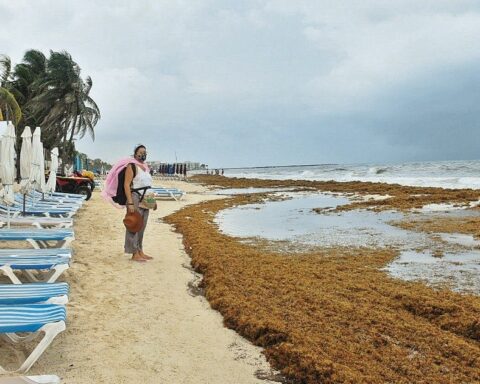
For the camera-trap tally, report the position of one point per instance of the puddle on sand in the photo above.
(294, 221)
(241, 191)
(457, 271)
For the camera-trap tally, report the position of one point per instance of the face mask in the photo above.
(142, 157)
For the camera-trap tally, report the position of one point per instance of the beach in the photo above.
(130, 322)
(213, 308)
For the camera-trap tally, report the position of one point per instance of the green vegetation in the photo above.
(49, 93)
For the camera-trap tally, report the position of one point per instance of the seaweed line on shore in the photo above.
(332, 316)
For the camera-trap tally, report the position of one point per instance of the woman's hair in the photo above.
(137, 147)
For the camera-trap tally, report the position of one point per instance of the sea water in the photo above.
(444, 174)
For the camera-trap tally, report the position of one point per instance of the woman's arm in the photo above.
(126, 186)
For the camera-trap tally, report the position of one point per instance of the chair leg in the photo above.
(56, 272)
(50, 277)
(66, 242)
(8, 271)
(34, 243)
(51, 331)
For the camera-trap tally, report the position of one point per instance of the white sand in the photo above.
(137, 323)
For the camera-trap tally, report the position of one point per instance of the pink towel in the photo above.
(111, 183)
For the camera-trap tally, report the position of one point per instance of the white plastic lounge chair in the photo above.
(44, 379)
(31, 319)
(35, 293)
(29, 261)
(173, 193)
(36, 221)
(39, 238)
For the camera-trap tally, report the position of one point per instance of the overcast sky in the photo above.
(243, 83)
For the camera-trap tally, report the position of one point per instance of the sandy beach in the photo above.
(329, 314)
(133, 322)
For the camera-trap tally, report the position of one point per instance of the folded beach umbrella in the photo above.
(25, 160)
(52, 178)
(37, 174)
(7, 164)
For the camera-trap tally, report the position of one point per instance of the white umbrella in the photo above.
(7, 164)
(26, 160)
(37, 174)
(52, 178)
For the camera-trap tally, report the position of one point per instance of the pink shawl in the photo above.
(111, 182)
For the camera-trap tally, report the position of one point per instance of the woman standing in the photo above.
(136, 186)
(136, 183)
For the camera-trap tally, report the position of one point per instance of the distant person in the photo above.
(223, 171)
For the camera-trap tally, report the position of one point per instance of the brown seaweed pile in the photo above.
(400, 197)
(465, 225)
(331, 316)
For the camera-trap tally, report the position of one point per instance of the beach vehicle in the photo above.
(75, 184)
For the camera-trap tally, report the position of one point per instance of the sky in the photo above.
(253, 83)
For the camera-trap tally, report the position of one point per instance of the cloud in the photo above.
(266, 82)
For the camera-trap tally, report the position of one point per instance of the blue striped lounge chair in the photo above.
(173, 193)
(29, 201)
(59, 195)
(38, 265)
(36, 221)
(43, 379)
(35, 293)
(24, 323)
(16, 210)
(39, 238)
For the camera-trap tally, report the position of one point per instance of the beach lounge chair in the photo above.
(57, 199)
(36, 221)
(39, 238)
(32, 319)
(43, 379)
(35, 293)
(59, 195)
(54, 261)
(17, 209)
(173, 193)
(35, 203)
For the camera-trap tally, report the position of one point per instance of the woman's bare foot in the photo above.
(146, 257)
(138, 257)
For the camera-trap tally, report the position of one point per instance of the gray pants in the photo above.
(134, 241)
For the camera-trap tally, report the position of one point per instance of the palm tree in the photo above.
(26, 79)
(63, 93)
(52, 94)
(9, 108)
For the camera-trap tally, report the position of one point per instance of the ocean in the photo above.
(444, 174)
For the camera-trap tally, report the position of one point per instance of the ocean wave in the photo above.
(452, 175)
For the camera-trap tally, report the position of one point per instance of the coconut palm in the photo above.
(9, 108)
(63, 93)
(27, 76)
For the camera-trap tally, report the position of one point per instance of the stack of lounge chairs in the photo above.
(31, 301)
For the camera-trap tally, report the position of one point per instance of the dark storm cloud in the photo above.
(268, 82)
